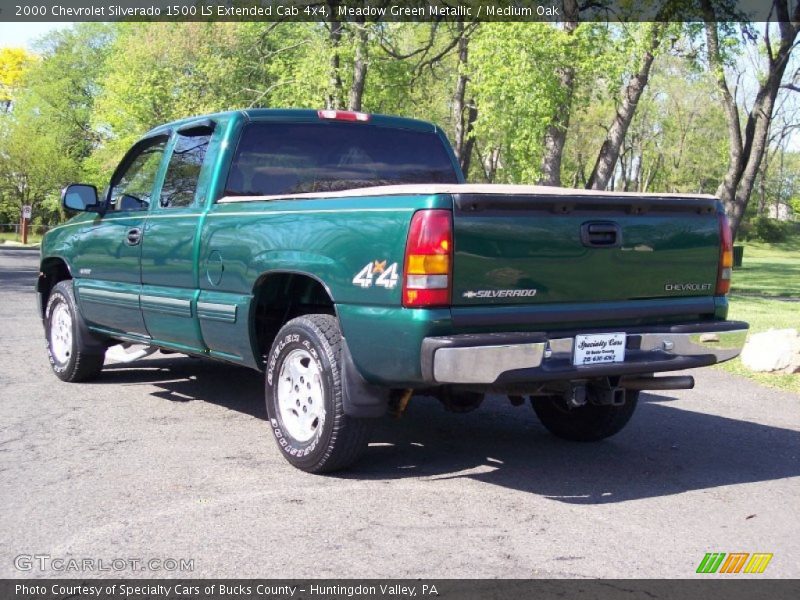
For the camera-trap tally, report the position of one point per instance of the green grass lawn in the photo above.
(769, 269)
(766, 294)
(13, 237)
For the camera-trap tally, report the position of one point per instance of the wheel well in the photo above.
(52, 271)
(280, 297)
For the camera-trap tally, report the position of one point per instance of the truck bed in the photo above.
(537, 245)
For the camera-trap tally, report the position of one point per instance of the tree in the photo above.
(778, 176)
(747, 144)
(609, 152)
(46, 138)
(335, 97)
(513, 73)
(529, 79)
(556, 134)
(465, 111)
(159, 72)
(360, 65)
(521, 102)
(33, 164)
(426, 68)
(63, 86)
(13, 64)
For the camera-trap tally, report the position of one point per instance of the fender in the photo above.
(323, 269)
(40, 281)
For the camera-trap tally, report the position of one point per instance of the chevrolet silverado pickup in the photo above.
(343, 255)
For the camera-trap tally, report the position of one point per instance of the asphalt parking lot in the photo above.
(171, 457)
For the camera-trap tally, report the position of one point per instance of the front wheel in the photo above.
(72, 356)
(304, 397)
(587, 423)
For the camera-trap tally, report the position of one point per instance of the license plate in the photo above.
(599, 348)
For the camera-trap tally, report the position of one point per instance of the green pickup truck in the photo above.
(343, 255)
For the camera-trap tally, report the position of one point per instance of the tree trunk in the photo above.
(489, 163)
(756, 135)
(609, 151)
(464, 114)
(746, 149)
(360, 64)
(781, 179)
(556, 135)
(648, 181)
(334, 99)
(460, 93)
(465, 160)
(762, 186)
(727, 187)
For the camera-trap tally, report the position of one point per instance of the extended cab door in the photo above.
(107, 262)
(169, 247)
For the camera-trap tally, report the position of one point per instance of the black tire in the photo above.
(588, 423)
(81, 356)
(338, 440)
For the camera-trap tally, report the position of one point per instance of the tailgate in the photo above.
(533, 249)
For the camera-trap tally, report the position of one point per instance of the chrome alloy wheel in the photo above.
(61, 333)
(301, 399)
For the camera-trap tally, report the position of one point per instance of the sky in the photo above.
(16, 35)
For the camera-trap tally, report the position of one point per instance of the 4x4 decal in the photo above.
(386, 276)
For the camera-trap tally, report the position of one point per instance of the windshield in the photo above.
(290, 158)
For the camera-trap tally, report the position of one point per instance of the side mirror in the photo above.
(80, 197)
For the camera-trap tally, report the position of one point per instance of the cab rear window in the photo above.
(294, 158)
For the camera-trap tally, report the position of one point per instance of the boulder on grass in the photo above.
(773, 350)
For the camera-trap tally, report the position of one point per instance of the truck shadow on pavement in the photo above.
(665, 450)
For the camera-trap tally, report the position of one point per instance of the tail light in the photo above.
(725, 256)
(428, 261)
(343, 115)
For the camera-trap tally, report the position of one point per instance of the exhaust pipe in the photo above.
(575, 396)
(672, 382)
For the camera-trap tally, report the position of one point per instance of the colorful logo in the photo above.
(735, 562)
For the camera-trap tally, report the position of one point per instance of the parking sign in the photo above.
(26, 211)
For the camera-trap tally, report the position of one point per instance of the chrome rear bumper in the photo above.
(521, 357)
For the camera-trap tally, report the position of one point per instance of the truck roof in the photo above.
(293, 114)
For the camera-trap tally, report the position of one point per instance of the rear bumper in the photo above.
(512, 358)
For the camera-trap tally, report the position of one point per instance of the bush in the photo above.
(764, 229)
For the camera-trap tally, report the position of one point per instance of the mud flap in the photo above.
(359, 398)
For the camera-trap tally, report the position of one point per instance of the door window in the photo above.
(180, 183)
(132, 188)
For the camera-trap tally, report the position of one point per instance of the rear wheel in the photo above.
(587, 423)
(460, 401)
(304, 397)
(72, 356)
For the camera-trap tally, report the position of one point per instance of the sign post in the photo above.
(26, 217)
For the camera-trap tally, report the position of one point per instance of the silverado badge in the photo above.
(529, 293)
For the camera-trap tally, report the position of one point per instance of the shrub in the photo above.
(764, 229)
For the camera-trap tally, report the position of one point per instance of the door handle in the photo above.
(601, 234)
(133, 237)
